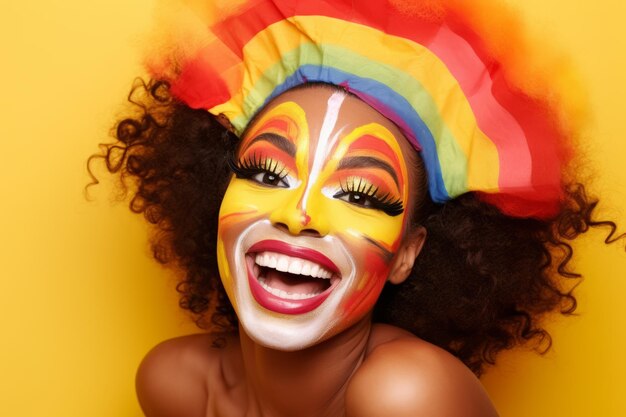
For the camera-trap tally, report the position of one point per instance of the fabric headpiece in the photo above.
(430, 68)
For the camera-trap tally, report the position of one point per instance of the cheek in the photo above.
(244, 203)
(224, 271)
(241, 198)
(361, 223)
(237, 212)
(372, 238)
(372, 270)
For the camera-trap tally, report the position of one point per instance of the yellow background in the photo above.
(80, 299)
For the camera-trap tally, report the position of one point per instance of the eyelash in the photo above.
(250, 167)
(366, 192)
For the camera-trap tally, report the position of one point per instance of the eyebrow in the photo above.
(280, 142)
(367, 162)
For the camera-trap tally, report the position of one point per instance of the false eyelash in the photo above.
(385, 203)
(249, 167)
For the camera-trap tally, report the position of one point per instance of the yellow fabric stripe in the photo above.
(409, 58)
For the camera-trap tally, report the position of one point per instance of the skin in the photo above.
(326, 139)
(331, 361)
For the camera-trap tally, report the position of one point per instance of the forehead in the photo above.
(313, 105)
(353, 113)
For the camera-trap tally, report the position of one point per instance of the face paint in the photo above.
(312, 218)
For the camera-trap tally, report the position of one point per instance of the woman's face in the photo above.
(313, 218)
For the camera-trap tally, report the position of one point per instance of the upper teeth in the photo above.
(286, 263)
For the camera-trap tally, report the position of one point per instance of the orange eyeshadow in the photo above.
(369, 145)
(281, 125)
(263, 150)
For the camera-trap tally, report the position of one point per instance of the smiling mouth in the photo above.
(289, 279)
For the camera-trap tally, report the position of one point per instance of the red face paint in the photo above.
(344, 198)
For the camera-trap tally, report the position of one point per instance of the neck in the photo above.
(308, 382)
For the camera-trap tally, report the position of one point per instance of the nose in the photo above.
(297, 220)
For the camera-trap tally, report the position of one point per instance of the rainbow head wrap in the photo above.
(463, 99)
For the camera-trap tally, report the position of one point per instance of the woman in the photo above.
(332, 221)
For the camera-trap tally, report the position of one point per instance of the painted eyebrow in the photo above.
(367, 162)
(280, 142)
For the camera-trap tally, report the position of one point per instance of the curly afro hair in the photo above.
(481, 284)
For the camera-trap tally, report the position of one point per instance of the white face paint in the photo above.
(324, 143)
(287, 331)
(299, 259)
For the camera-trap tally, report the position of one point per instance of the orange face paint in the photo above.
(370, 146)
(321, 186)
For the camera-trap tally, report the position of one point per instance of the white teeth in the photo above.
(283, 294)
(283, 263)
(296, 266)
(315, 269)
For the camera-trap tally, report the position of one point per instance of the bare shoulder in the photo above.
(406, 376)
(174, 377)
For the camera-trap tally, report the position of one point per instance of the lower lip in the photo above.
(283, 305)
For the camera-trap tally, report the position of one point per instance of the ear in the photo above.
(402, 263)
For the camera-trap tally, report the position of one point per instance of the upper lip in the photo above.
(296, 252)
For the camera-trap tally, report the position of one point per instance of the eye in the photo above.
(270, 178)
(356, 198)
(263, 171)
(362, 194)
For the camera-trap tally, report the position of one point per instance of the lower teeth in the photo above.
(284, 294)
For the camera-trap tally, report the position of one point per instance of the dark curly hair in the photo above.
(481, 284)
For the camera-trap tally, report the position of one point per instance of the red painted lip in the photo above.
(295, 252)
(283, 305)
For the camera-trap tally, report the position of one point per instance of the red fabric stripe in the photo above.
(200, 84)
(531, 115)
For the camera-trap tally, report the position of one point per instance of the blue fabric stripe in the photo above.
(394, 107)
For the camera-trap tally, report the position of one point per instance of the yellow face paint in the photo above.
(312, 217)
